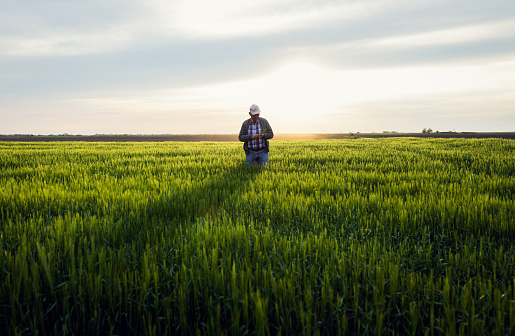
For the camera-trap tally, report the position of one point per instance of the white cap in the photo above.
(254, 109)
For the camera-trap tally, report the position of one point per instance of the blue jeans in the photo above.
(260, 157)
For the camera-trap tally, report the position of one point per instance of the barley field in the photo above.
(397, 236)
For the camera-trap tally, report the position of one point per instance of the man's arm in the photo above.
(243, 136)
(269, 133)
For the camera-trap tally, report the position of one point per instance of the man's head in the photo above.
(254, 112)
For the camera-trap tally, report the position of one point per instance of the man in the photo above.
(254, 134)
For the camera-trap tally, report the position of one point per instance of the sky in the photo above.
(312, 66)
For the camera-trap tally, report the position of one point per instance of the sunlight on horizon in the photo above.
(302, 96)
(301, 92)
(298, 97)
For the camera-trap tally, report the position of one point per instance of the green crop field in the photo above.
(353, 237)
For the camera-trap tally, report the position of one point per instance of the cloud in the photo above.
(62, 44)
(454, 35)
(179, 58)
(59, 27)
(229, 18)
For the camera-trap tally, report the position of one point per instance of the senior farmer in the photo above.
(254, 134)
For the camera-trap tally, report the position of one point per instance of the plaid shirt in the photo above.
(256, 144)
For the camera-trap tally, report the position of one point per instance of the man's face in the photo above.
(254, 117)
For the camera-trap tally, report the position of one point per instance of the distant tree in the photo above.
(424, 131)
(429, 130)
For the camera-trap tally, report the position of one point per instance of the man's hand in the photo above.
(256, 136)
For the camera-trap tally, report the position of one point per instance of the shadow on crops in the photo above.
(205, 199)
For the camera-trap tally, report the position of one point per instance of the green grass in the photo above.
(351, 237)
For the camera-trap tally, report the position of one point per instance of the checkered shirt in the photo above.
(256, 144)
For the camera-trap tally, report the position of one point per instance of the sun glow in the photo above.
(301, 92)
(297, 91)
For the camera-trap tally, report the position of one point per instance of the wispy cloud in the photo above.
(62, 44)
(454, 35)
(229, 18)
